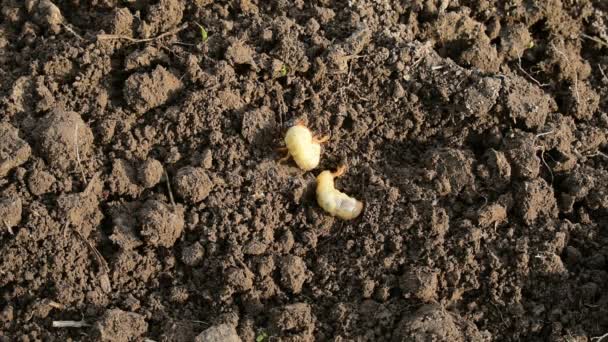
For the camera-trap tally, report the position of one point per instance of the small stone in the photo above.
(398, 91)
(192, 184)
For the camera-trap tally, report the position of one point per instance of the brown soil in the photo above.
(140, 191)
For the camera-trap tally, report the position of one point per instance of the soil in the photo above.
(141, 195)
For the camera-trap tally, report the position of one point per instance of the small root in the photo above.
(542, 157)
(602, 72)
(84, 178)
(527, 74)
(541, 135)
(599, 338)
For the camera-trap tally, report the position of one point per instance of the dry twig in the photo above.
(70, 324)
(104, 279)
(71, 30)
(602, 72)
(169, 188)
(8, 227)
(133, 40)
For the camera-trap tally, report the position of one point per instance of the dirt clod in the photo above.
(7, 314)
(515, 40)
(82, 209)
(521, 153)
(294, 319)
(527, 103)
(10, 212)
(239, 53)
(192, 184)
(257, 126)
(123, 179)
(40, 182)
(162, 16)
(145, 58)
(120, 326)
(62, 137)
(453, 169)
(150, 173)
(499, 167)
(160, 224)
(120, 22)
(420, 283)
(47, 14)
(193, 255)
(434, 323)
(293, 273)
(474, 131)
(492, 214)
(144, 91)
(536, 200)
(13, 150)
(239, 279)
(219, 333)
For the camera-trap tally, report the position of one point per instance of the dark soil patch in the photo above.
(140, 192)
